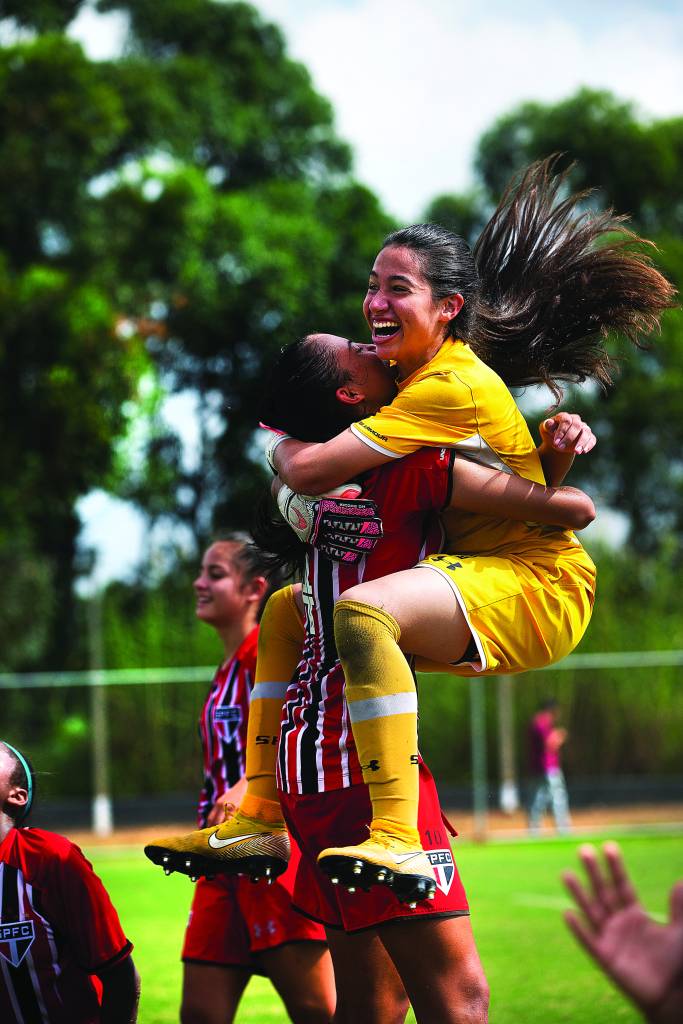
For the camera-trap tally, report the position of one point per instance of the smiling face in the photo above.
(408, 325)
(223, 595)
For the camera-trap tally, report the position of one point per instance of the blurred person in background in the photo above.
(642, 957)
(237, 929)
(64, 958)
(549, 790)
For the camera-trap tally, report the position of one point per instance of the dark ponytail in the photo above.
(546, 283)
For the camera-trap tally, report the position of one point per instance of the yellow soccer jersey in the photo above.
(459, 401)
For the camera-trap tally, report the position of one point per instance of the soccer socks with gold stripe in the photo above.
(280, 642)
(382, 702)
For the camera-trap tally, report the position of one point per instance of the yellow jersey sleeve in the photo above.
(435, 410)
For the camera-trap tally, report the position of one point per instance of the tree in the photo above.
(466, 214)
(64, 372)
(175, 214)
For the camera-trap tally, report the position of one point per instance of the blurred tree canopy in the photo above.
(171, 216)
(636, 167)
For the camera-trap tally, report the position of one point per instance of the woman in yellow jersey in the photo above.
(532, 303)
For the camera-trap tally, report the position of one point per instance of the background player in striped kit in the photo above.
(63, 956)
(237, 929)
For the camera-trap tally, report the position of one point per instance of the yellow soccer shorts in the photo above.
(524, 612)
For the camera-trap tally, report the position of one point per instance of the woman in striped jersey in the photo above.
(237, 929)
(319, 774)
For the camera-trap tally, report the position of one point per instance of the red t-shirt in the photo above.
(57, 928)
(223, 724)
(316, 752)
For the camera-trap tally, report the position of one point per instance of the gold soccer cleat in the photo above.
(383, 859)
(238, 846)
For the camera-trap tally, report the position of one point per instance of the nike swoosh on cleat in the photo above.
(405, 856)
(217, 844)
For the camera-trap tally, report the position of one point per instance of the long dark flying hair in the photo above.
(546, 282)
(300, 399)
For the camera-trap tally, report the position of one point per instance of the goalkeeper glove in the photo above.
(339, 524)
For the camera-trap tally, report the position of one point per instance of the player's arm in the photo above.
(487, 491)
(120, 993)
(563, 436)
(314, 468)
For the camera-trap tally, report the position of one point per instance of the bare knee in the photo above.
(474, 995)
(305, 1011)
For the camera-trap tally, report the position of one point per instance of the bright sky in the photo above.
(414, 84)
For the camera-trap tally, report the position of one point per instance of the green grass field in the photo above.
(536, 971)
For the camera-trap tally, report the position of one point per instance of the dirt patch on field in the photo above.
(497, 824)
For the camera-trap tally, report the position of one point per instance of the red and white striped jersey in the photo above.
(57, 928)
(223, 725)
(316, 751)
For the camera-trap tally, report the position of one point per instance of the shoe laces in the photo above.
(384, 839)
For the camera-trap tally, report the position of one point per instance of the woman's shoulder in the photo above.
(454, 376)
(455, 363)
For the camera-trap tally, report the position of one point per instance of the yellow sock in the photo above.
(262, 808)
(280, 642)
(382, 701)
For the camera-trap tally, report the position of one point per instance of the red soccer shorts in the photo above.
(232, 918)
(341, 818)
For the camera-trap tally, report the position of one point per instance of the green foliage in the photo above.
(43, 15)
(635, 164)
(465, 214)
(26, 582)
(162, 214)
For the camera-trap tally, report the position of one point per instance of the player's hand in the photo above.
(227, 803)
(643, 957)
(567, 433)
(341, 525)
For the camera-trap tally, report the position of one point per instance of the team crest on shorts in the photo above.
(444, 868)
(16, 938)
